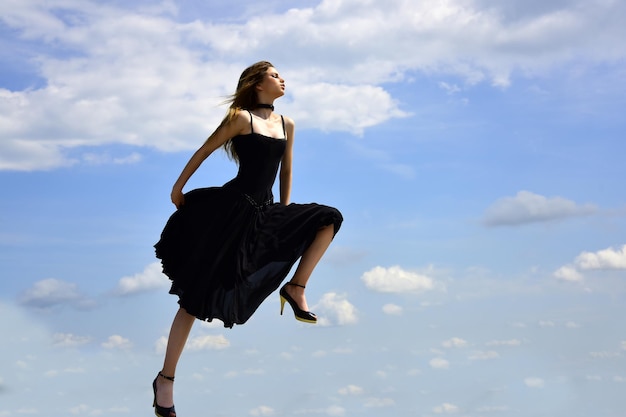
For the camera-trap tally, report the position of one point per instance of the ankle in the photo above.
(294, 290)
(164, 378)
(295, 284)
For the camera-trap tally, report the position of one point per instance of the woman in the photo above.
(227, 248)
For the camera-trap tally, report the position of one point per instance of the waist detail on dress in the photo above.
(258, 206)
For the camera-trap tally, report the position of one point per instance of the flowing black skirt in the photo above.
(225, 253)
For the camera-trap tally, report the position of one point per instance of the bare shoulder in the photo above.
(238, 123)
(290, 126)
(241, 118)
(290, 129)
(229, 128)
(289, 123)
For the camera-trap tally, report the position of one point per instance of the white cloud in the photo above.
(85, 410)
(568, 273)
(449, 88)
(623, 345)
(335, 411)
(605, 355)
(534, 382)
(149, 279)
(510, 342)
(262, 410)
(484, 355)
(396, 280)
(207, 342)
(69, 340)
(160, 345)
(80, 409)
(439, 363)
(343, 99)
(446, 408)
(151, 96)
(142, 78)
(351, 390)
(29, 154)
(379, 402)
(335, 309)
(609, 258)
(51, 292)
(605, 259)
(527, 207)
(117, 342)
(455, 342)
(106, 158)
(392, 309)
(54, 372)
(492, 409)
(319, 354)
(27, 410)
(254, 371)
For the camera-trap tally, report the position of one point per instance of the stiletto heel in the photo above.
(158, 410)
(301, 315)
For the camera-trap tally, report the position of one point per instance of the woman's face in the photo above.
(273, 84)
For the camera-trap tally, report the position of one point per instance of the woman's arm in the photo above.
(224, 132)
(286, 163)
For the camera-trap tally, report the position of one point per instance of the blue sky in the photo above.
(475, 149)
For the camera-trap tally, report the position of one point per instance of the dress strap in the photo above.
(251, 128)
(284, 131)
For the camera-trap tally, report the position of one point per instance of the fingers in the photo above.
(178, 198)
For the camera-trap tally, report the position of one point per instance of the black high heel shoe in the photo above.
(301, 315)
(158, 410)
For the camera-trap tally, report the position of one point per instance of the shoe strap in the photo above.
(294, 284)
(169, 378)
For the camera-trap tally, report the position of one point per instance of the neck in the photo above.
(265, 106)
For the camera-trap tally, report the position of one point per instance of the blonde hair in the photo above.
(244, 98)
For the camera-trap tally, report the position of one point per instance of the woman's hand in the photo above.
(177, 197)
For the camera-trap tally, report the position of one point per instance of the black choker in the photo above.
(265, 106)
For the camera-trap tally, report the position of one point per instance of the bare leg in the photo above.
(181, 326)
(308, 262)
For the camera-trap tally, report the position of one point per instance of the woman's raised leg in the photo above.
(307, 264)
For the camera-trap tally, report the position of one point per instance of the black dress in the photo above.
(227, 248)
